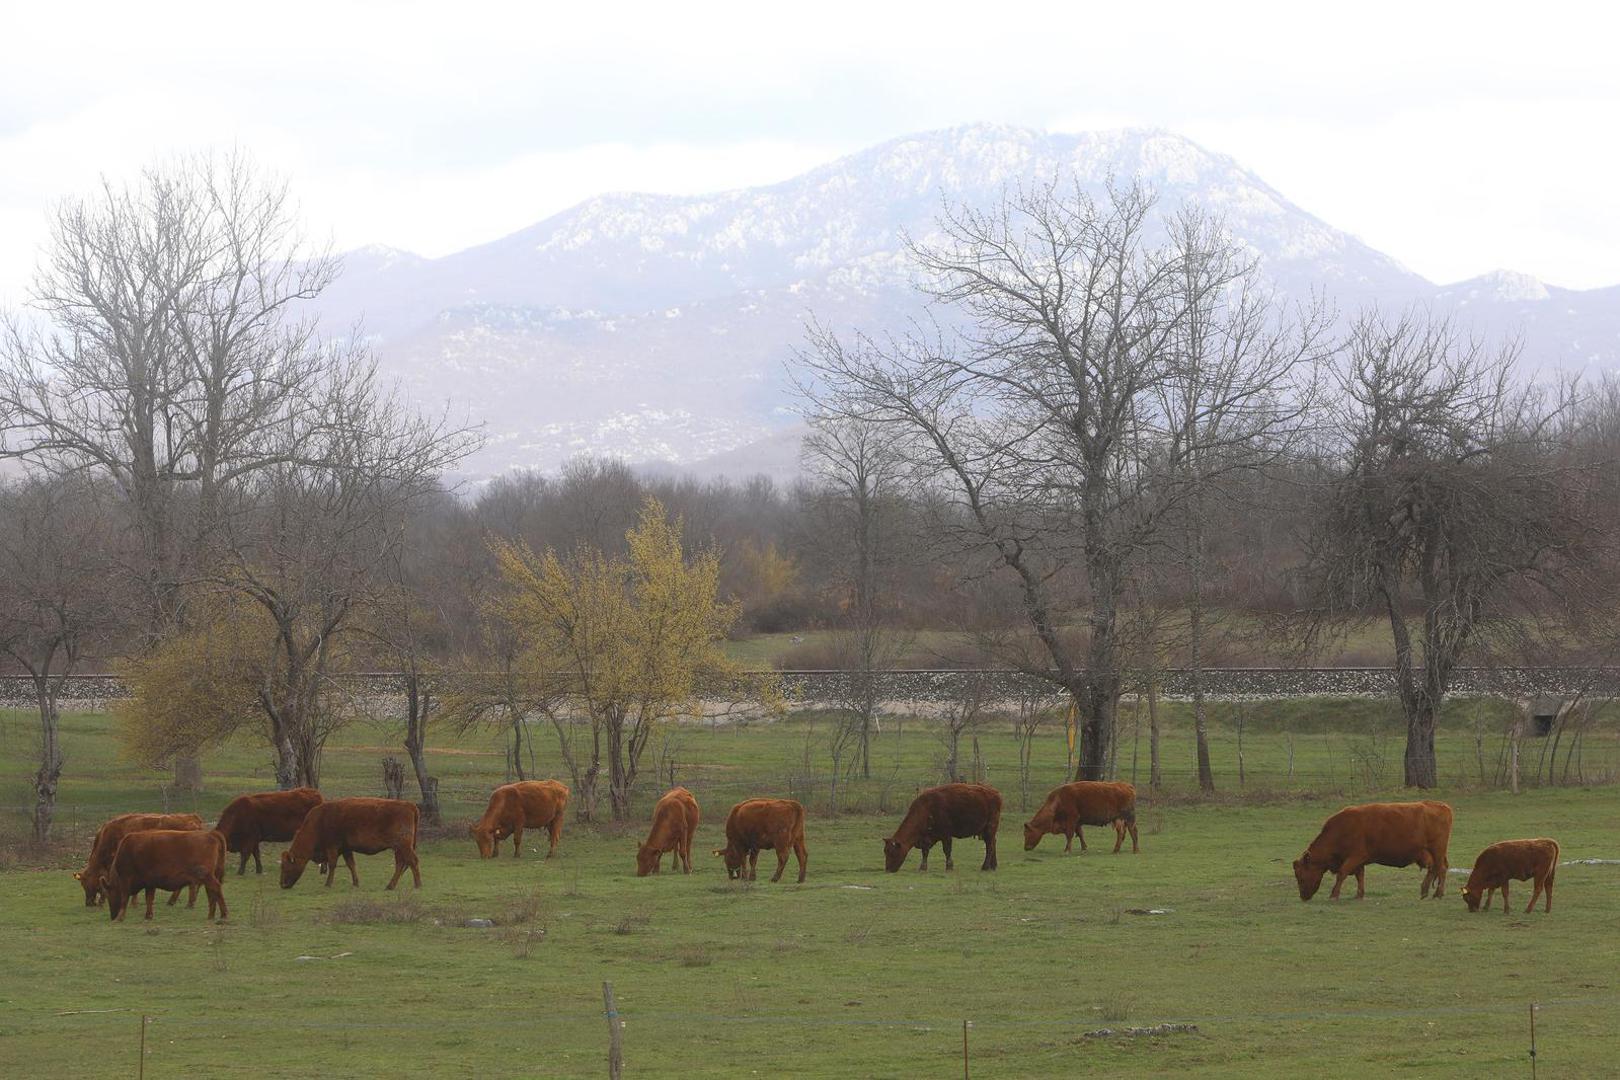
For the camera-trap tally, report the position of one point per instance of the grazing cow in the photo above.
(532, 804)
(154, 859)
(345, 826)
(1388, 834)
(757, 824)
(249, 820)
(940, 814)
(1085, 802)
(105, 846)
(674, 823)
(1516, 860)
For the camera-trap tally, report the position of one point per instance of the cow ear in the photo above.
(77, 876)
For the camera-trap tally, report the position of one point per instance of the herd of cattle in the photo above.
(175, 852)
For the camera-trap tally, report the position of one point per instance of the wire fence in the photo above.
(163, 1038)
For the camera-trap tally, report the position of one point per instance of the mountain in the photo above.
(657, 328)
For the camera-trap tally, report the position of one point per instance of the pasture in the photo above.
(854, 973)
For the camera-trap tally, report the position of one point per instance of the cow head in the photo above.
(1309, 875)
(486, 840)
(292, 868)
(894, 854)
(1032, 835)
(91, 881)
(1471, 897)
(647, 860)
(734, 860)
(116, 895)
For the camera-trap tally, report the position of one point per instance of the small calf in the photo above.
(1512, 860)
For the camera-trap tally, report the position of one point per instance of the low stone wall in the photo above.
(1003, 687)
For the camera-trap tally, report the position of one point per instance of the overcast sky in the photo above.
(1458, 139)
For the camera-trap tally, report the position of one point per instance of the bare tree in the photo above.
(55, 601)
(859, 534)
(1448, 505)
(1234, 399)
(173, 354)
(1034, 711)
(1040, 413)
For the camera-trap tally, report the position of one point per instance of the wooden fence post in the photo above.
(964, 1050)
(1532, 1040)
(615, 1049)
(140, 1070)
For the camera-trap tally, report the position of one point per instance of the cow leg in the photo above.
(258, 866)
(781, 863)
(151, 891)
(1136, 848)
(1547, 889)
(1504, 897)
(1119, 834)
(1345, 870)
(753, 864)
(354, 876)
(174, 897)
(945, 843)
(406, 860)
(1535, 894)
(216, 897)
(1080, 832)
(556, 835)
(241, 867)
(989, 851)
(191, 902)
(802, 855)
(1068, 841)
(517, 840)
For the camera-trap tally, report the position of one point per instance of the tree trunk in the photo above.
(416, 705)
(621, 771)
(1195, 648)
(1099, 707)
(1420, 761)
(1155, 777)
(49, 774)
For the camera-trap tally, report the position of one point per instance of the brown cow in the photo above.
(1518, 860)
(345, 826)
(154, 859)
(1388, 834)
(1085, 802)
(249, 820)
(756, 824)
(674, 823)
(532, 804)
(105, 846)
(942, 814)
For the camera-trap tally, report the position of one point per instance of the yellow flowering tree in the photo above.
(636, 639)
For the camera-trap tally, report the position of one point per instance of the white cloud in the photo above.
(1455, 137)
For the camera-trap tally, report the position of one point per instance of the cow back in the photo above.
(758, 823)
(265, 815)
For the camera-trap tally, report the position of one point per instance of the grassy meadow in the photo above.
(854, 973)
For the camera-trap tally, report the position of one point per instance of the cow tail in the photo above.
(416, 823)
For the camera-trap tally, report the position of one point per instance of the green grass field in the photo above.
(854, 973)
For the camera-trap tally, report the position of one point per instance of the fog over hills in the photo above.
(655, 328)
